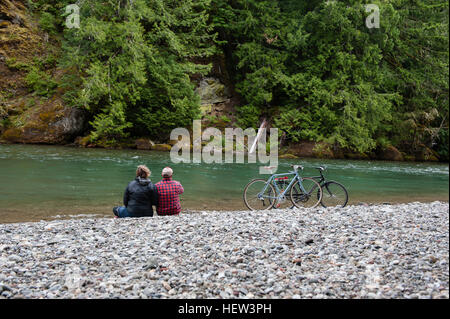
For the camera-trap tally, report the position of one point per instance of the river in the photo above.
(48, 182)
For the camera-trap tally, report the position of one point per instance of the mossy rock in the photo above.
(391, 153)
(82, 141)
(212, 91)
(12, 135)
(302, 148)
(323, 150)
(432, 158)
(48, 116)
(205, 109)
(144, 144)
(162, 147)
(287, 156)
(426, 154)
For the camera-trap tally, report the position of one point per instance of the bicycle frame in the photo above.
(320, 179)
(283, 193)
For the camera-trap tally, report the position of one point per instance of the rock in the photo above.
(302, 149)
(233, 255)
(212, 91)
(287, 156)
(56, 287)
(148, 292)
(224, 295)
(144, 144)
(433, 259)
(4, 287)
(162, 147)
(206, 108)
(297, 261)
(152, 263)
(14, 258)
(352, 155)
(166, 285)
(390, 153)
(51, 123)
(172, 291)
(424, 153)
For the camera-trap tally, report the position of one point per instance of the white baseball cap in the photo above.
(167, 171)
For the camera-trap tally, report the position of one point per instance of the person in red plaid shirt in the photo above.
(168, 194)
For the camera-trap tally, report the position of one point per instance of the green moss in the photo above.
(12, 134)
(288, 156)
(13, 64)
(82, 140)
(30, 103)
(162, 147)
(323, 150)
(47, 117)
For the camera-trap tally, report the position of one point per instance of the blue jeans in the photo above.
(122, 212)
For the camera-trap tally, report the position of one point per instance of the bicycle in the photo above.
(260, 194)
(333, 193)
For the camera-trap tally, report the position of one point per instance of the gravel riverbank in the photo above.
(383, 251)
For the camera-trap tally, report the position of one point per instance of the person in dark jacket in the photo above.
(140, 196)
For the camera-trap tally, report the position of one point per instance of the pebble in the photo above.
(377, 251)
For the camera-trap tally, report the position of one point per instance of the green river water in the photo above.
(48, 182)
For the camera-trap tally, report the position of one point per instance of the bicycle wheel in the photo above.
(334, 194)
(307, 199)
(254, 199)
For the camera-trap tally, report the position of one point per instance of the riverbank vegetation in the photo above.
(312, 68)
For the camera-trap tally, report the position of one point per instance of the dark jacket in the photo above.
(139, 197)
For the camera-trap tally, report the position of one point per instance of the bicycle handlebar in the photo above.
(320, 168)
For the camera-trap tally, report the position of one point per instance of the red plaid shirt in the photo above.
(168, 199)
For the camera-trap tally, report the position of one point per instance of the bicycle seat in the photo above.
(295, 167)
(321, 168)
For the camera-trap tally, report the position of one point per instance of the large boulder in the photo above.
(390, 153)
(212, 92)
(51, 123)
(287, 156)
(311, 149)
(303, 149)
(144, 144)
(425, 154)
(162, 147)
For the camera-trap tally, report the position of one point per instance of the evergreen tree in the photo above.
(134, 59)
(312, 68)
(322, 74)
